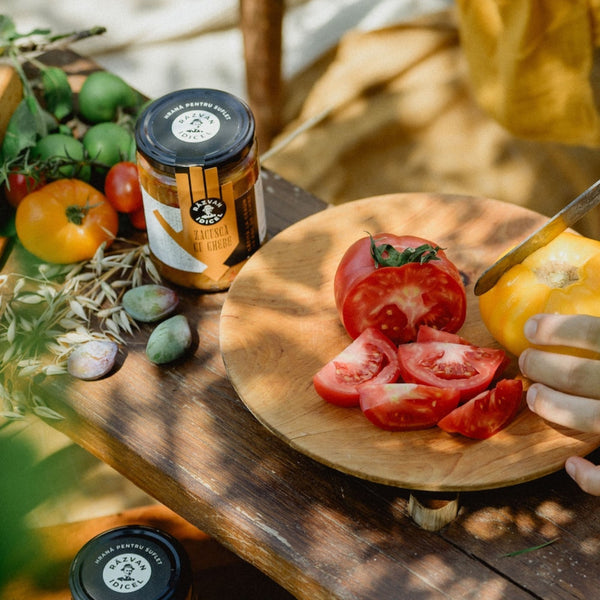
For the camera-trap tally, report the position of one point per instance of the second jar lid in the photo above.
(131, 562)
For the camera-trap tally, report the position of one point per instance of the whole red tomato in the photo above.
(138, 219)
(122, 187)
(18, 185)
(397, 283)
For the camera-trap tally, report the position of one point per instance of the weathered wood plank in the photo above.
(182, 434)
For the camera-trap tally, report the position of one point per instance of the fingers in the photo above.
(575, 331)
(571, 374)
(568, 388)
(585, 474)
(582, 414)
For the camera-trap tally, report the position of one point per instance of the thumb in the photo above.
(585, 474)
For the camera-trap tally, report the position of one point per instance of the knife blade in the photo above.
(562, 220)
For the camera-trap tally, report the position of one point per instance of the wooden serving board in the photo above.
(279, 325)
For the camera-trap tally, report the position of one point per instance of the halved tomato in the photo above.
(406, 406)
(396, 283)
(371, 357)
(486, 414)
(429, 334)
(468, 369)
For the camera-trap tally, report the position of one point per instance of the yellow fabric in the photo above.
(395, 112)
(531, 65)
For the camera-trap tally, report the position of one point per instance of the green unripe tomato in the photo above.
(63, 146)
(102, 93)
(108, 143)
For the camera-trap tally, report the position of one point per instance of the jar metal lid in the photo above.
(131, 563)
(194, 127)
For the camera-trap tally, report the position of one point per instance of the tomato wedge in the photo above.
(396, 283)
(406, 406)
(371, 357)
(468, 369)
(487, 413)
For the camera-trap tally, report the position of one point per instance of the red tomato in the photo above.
(468, 369)
(122, 187)
(19, 185)
(371, 357)
(406, 406)
(429, 334)
(486, 414)
(397, 299)
(138, 218)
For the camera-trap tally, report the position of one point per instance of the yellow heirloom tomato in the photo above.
(65, 221)
(562, 277)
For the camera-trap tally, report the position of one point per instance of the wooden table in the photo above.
(182, 434)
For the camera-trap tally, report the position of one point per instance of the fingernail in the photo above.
(521, 361)
(530, 328)
(531, 396)
(570, 468)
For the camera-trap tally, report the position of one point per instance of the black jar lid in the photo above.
(194, 127)
(131, 563)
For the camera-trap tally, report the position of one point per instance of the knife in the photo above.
(562, 220)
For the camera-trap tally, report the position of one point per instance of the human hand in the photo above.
(567, 388)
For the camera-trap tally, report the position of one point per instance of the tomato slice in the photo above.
(487, 413)
(397, 300)
(430, 334)
(406, 406)
(466, 368)
(371, 357)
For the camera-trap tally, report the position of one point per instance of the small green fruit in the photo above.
(169, 341)
(149, 303)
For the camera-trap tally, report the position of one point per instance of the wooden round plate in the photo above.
(279, 325)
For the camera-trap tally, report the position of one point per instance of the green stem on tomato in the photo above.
(385, 255)
(76, 213)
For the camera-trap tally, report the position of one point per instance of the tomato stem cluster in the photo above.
(385, 255)
(76, 213)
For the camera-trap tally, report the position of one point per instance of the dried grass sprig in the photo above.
(43, 317)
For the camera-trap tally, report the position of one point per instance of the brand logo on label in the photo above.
(208, 211)
(195, 126)
(126, 573)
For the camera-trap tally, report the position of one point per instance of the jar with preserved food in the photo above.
(200, 176)
(134, 562)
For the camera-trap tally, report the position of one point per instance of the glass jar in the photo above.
(200, 176)
(133, 562)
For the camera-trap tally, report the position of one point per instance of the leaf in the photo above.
(48, 413)
(385, 255)
(7, 28)
(57, 92)
(21, 133)
(54, 370)
(77, 309)
(29, 298)
(8, 414)
(525, 550)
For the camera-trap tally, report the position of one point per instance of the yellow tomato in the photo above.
(562, 277)
(65, 221)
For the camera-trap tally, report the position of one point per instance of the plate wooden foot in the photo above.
(432, 511)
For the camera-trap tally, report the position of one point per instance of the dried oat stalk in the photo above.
(43, 318)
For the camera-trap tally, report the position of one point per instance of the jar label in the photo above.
(126, 573)
(211, 230)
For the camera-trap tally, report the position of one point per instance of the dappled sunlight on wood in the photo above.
(279, 325)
